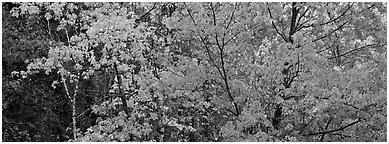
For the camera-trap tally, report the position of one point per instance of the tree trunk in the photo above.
(74, 118)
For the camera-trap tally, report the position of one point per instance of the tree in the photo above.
(32, 110)
(218, 71)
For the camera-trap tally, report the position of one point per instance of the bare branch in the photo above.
(330, 32)
(145, 14)
(190, 15)
(224, 75)
(228, 25)
(301, 16)
(232, 16)
(207, 49)
(330, 21)
(293, 28)
(326, 127)
(357, 49)
(305, 126)
(335, 130)
(272, 22)
(237, 33)
(214, 15)
(338, 16)
(205, 44)
(326, 48)
(367, 8)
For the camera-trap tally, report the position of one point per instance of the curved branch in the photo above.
(275, 27)
(335, 130)
(330, 32)
(357, 49)
(338, 17)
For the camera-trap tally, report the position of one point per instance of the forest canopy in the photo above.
(210, 72)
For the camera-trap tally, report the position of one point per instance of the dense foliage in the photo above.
(194, 71)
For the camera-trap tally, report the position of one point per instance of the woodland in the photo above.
(194, 72)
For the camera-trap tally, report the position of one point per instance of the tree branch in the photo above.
(330, 21)
(326, 48)
(301, 16)
(306, 125)
(214, 15)
(338, 16)
(357, 49)
(367, 8)
(190, 15)
(225, 79)
(144, 15)
(326, 127)
(205, 44)
(232, 16)
(237, 33)
(228, 25)
(335, 130)
(292, 29)
(330, 32)
(272, 22)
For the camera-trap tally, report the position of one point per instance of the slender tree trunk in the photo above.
(73, 105)
(74, 122)
(74, 115)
